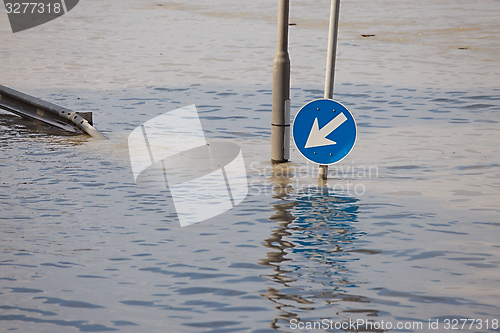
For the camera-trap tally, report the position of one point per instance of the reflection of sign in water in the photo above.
(24, 14)
(324, 131)
(205, 180)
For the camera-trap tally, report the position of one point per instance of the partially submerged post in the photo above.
(33, 108)
(280, 126)
(330, 64)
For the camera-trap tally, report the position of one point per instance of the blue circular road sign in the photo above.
(324, 131)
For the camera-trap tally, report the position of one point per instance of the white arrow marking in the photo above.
(317, 137)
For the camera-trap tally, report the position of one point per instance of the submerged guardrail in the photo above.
(33, 108)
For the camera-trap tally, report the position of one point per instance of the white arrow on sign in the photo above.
(317, 137)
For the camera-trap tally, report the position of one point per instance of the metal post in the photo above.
(280, 126)
(330, 64)
(332, 48)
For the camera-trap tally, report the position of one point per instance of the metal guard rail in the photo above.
(34, 108)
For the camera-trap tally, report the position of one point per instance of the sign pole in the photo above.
(280, 126)
(330, 64)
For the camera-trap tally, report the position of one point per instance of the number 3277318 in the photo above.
(33, 8)
(461, 324)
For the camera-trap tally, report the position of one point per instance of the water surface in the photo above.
(405, 230)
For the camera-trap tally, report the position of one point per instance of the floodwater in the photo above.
(404, 232)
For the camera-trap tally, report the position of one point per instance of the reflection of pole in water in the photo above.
(312, 228)
(282, 189)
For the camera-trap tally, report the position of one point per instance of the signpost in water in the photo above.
(330, 64)
(324, 130)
